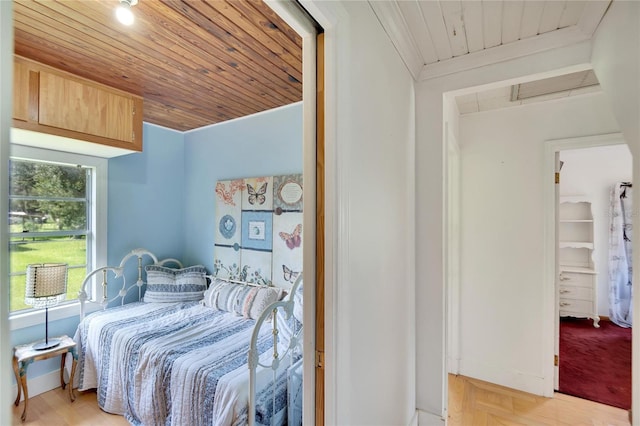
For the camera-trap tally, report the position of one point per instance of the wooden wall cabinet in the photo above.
(50, 101)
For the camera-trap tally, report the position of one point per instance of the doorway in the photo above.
(592, 355)
(306, 25)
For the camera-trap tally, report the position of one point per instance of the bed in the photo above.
(227, 353)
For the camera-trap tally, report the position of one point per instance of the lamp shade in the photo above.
(46, 284)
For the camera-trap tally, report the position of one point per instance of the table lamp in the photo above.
(46, 287)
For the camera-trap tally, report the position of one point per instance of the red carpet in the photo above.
(595, 363)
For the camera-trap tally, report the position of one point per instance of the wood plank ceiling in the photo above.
(195, 63)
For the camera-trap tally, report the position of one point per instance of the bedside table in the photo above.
(23, 355)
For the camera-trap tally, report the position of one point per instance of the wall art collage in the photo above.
(258, 232)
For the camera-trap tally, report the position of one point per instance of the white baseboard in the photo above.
(414, 419)
(497, 374)
(429, 419)
(40, 384)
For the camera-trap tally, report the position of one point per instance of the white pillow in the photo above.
(242, 300)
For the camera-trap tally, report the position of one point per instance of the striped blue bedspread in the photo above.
(175, 364)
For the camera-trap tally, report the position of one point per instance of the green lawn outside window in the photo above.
(45, 250)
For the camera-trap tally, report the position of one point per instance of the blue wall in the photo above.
(145, 209)
(162, 199)
(259, 145)
(146, 197)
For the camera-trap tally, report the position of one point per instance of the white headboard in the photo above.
(96, 292)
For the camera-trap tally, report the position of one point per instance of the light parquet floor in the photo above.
(471, 403)
(476, 403)
(53, 408)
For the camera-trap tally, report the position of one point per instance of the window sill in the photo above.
(34, 317)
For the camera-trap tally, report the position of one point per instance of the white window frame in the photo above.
(98, 242)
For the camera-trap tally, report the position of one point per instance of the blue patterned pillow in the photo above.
(175, 285)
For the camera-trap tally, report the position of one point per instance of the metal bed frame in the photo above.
(87, 294)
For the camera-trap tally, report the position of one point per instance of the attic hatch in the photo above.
(561, 83)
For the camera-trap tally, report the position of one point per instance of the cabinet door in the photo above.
(72, 105)
(25, 92)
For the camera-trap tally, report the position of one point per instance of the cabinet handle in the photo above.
(565, 304)
(563, 278)
(563, 291)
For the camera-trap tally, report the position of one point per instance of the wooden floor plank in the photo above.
(54, 408)
(472, 402)
(483, 403)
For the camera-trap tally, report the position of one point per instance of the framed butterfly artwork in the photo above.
(289, 275)
(258, 229)
(257, 194)
(287, 247)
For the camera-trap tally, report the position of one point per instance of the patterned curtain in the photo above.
(620, 260)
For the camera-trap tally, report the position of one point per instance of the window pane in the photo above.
(46, 199)
(43, 216)
(43, 179)
(72, 251)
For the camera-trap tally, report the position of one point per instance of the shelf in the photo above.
(577, 269)
(576, 244)
(577, 295)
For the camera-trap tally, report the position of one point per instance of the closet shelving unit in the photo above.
(577, 288)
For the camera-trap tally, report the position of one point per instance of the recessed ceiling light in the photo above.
(124, 13)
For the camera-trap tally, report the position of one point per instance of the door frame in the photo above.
(301, 22)
(6, 91)
(452, 253)
(451, 269)
(550, 325)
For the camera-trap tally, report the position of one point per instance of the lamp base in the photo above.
(41, 346)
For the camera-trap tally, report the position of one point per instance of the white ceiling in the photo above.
(562, 86)
(501, 98)
(437, 38)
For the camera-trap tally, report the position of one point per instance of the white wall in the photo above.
(593, 172)
(371, 98)
(616, 61)
(430, 338)
(502, 233)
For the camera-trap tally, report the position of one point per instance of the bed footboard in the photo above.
(95, 287)
(288, 351)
